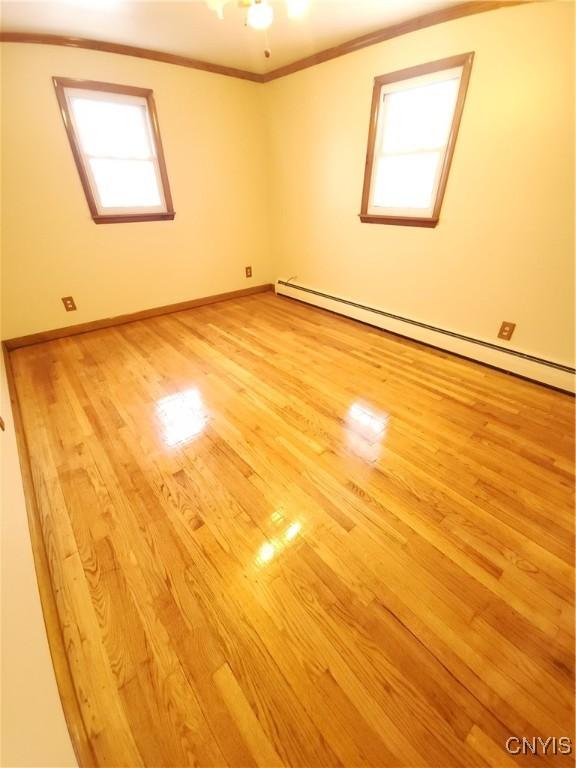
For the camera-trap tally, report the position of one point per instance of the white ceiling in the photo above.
(189, 28)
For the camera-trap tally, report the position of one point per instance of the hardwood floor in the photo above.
(279, 537)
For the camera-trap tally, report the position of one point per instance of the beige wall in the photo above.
(504, 247)
(502, 250)
(212, 131)
(32, 728)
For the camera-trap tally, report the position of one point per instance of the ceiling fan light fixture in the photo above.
(260, 15)
(297, 8)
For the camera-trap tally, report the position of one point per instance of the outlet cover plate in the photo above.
(506, 330)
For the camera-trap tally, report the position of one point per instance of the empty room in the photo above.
(287, 388)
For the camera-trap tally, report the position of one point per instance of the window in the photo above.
(413, 126)
(115, 139)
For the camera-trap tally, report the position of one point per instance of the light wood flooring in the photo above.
(279, 537)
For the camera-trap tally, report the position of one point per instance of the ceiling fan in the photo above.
(260, 13)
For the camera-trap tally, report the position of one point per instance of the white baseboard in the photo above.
(544, 371)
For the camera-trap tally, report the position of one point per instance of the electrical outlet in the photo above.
(506, 330)
(248, 271)
(69, 304)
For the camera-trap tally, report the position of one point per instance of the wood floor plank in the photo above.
(278, 537)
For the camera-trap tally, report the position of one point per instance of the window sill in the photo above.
(129, 217)
(403, 221)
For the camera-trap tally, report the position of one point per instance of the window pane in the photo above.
(126, 183)
(405, 181)
(418, 118)
(111, 129)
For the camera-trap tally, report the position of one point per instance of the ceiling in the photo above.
(190, 28)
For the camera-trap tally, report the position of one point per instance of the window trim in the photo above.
(62, 83)
(463, 60)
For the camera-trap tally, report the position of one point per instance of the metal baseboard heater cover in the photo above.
(428, 327)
